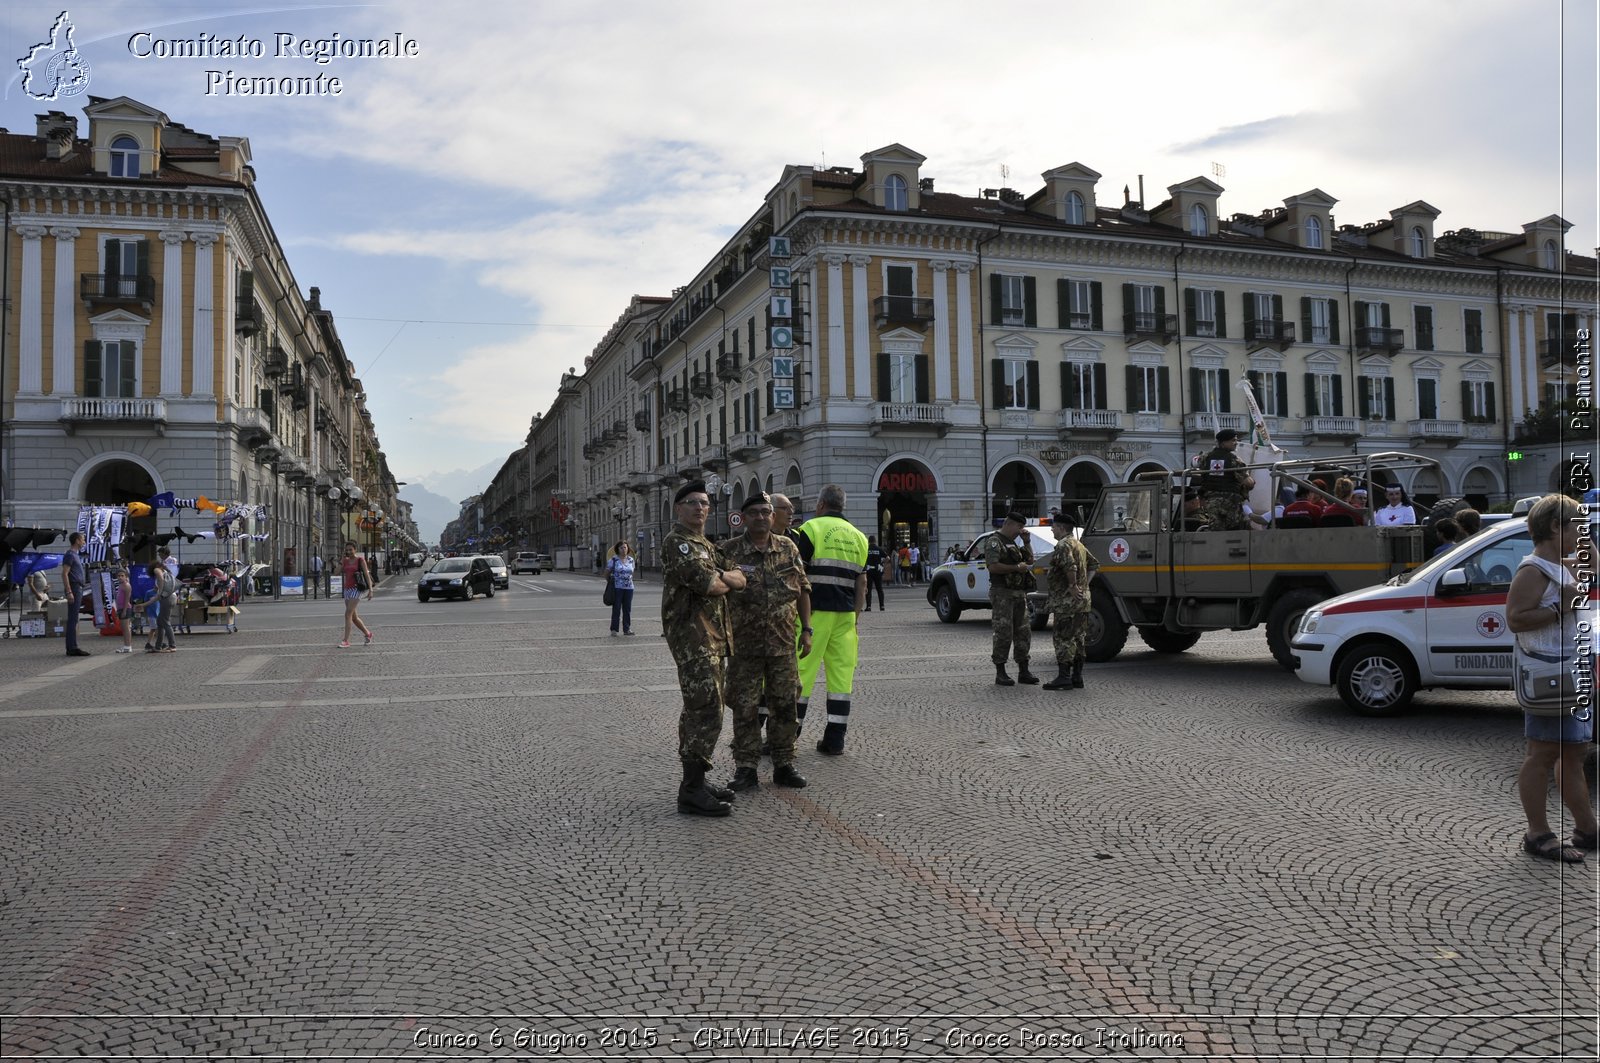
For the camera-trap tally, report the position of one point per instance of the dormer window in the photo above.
(1074, 209)
(1314, 232)
(1199, 221)
(124, 157)
(1418, 242)
(1550, 255)
(894, 192)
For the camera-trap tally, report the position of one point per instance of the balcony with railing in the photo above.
(1089, 424)
(728, 369)
(247, 315)
(255, 427)
(1373, 339)
(782, 429)
(117, 289)
(276, 361)
(1148, 325)
(744, 445)
(1432, 430)
(678, 400)
(1208, 424)
(84, 410)
(641, 420)
(1269, 332)
(702, 385)
(901, 310)
(1337, 429)
(933, 417)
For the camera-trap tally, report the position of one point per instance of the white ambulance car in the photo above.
(1442, 624)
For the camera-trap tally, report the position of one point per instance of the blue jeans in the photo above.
(622, 606)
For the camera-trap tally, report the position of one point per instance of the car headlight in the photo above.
(1308, 623)
(455, 583)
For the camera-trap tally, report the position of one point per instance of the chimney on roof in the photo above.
(57, 130)
(316, 299)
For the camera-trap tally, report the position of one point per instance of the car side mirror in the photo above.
(1454, 582)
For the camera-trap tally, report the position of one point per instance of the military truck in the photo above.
(1175, 579)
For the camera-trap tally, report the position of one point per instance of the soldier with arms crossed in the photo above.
(1010, 565)
(1069, 572)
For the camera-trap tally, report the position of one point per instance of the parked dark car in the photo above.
(456, 577)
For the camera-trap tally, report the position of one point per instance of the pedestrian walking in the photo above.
(316, 575)
(914, 554)
(835, 554)
(1224, 483)
(358, 581)
(694, 621)
(1548, 610)
(620, 568)
(902, 566)
(1008, 556)
(1068, 574)
(75, 581)
(124, 602)
(166, 605)
(874, 573)
(776, 596)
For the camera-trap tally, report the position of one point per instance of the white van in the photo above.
(1440, 625)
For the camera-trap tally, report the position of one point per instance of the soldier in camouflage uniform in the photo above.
(1224, 483)
(1010, 565)
(1069, 571)
(764, 613)
(695, 623)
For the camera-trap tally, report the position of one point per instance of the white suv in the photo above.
(1440, 625)
(526, 561)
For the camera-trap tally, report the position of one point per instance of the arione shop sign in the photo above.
(910, 482)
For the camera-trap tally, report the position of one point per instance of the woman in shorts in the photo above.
(357, 582)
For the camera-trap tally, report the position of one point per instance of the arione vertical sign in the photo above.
(781, 336)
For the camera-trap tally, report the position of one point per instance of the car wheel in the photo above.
(1163, 641)
(1283, 620)
(488, 592)
(422, 596)
(1376, 679)
(946, 604)
(1107, 633)
(1038, 617)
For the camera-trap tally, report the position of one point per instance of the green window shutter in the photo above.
(1163, 391)
(1188, 311)
(1305, 318)
(1466, 403)
(1428, 399)
(1277, 307)
(1128, 304)
(1253, 378)
(1100, 398)
(884, 392)
(1338, 395)
(1064, 303)
(1069, 388)
(1281, 384)
(1220, 308)
(997, 376)
(125, 365)
(994, 298)
(142, 254)
(1388, 398)
(770, 407)
(1030, 302)
(113, 265)
(1424, 322)
(1311, 396)
(1363, 397)
(1385, 313)
(91, 368)
(1360, 315)
(1096, 318)
(1033, 385)
(1161, 303)
(922, 378)
(1224, 401)
(1132, 381)
(1474, 329)
(1333, 321)
(1491, 411)
(1249, 311)
(1197, 390)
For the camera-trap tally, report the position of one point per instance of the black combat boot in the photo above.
(1025, 677)
(721, 793)
(744, 779)
(785, 775)
(1063, 679)
(1077, 673)
(695, 799)
(1001, 679)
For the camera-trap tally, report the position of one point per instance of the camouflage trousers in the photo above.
(749, 678)
(700, 677)
(1070, 636)
(1225, 512)
(1008, 613)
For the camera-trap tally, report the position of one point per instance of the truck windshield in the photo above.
(1124, 510)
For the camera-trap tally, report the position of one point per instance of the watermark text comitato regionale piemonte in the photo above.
(320, 51)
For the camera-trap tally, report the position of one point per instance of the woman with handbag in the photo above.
(357, 581)
(619, 581)
(1547, 610)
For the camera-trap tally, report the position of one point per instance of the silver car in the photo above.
(502, 574)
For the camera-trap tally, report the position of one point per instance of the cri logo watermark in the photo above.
(54, 68)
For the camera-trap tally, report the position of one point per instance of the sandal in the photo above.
(1589, 841)
(1548, 847)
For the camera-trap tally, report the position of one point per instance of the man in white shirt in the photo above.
(1396, 510)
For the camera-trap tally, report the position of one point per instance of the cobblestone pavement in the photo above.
(461, 841)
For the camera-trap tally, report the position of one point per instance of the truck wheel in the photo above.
(1283, 620)
(1107, 633)
(1038, 617)
(1376, 679)
(1163, 641)
(946, 604)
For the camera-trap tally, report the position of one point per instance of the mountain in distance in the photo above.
(436, 498)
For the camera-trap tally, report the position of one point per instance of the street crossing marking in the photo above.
(240, 671)
(46, 680)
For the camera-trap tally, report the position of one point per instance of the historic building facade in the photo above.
(156, 341)
(947, 357)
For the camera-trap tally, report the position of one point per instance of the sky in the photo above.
(478, 214)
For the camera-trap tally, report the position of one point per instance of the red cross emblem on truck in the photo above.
(1119, 550)
(1489, 625)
